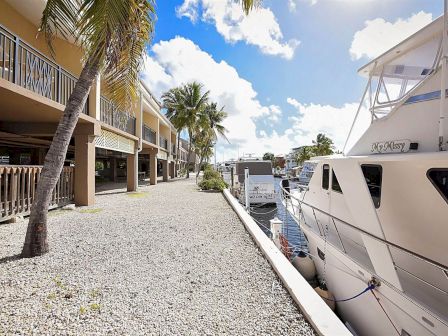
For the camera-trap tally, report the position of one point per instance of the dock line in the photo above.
(316, 311)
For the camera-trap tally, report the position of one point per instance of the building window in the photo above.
(439, 178)
(335, 184)
(373, 174)
(325, 176)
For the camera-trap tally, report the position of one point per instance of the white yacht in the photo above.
(381, 210)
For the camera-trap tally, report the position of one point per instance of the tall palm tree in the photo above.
(113, 35)
(304, 154)
(323, 145)
(210, 123)
(184, 107)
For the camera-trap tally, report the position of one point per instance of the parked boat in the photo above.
(376, 219)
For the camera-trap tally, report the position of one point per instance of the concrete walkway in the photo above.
(167, 261)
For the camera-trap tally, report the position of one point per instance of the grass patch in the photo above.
(54, 213)
(137, 194)
(91, 211)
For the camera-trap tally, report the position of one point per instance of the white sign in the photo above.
(393, 146)
(261, 189)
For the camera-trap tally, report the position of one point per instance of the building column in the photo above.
(84, 169)
(153, 168)
(165, 170)
(172, 169)
(132, 172)
(114, 169)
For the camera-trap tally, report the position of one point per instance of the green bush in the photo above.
(211, 174)
(213, 184)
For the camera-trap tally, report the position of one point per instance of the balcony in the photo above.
(163, 142)
(112, 116)
(149, 135)
(25, 66)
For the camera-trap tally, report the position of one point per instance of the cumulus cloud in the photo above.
(379, 35)
(179, 61)
(260, 28)
(335, 122)
(292, 4)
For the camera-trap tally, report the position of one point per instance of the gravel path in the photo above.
(168, 261)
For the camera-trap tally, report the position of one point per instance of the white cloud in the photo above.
(179, 61)
(292, 4)
(379, 35)
(335, 122)
(260, 28)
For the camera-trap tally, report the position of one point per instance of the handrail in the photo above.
(31, 69)
(388, 243)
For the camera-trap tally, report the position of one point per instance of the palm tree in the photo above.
(184, 106)
(113, 35)
(323, 145)
(304, 154)
(210, 123)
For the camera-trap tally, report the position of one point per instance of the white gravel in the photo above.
(171, 261)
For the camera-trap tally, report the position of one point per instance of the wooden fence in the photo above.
(18, 186)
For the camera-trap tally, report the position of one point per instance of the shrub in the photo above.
(213, 184)
(211, 174)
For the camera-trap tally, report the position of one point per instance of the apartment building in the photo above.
(107, 144)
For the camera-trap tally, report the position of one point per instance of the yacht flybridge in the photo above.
(379, 214)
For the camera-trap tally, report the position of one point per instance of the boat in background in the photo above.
(376, 219)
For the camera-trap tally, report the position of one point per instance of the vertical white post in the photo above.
(246, 188)
(443, 113)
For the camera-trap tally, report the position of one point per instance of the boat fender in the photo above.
(326, 295)
(305, 265)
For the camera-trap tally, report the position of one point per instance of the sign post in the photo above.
(246, 188)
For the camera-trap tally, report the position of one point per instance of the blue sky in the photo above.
(285, 72)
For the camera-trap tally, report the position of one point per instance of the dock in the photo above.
(167, 260)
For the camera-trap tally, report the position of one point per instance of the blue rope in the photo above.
(369, 288)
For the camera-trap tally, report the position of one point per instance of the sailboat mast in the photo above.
(443, 120)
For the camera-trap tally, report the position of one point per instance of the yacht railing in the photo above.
(347, 238)
(27, 67)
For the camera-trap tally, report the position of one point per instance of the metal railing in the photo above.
(173, 149)
(149, 134)
(25, 66)
(430, 283)
(163, 142)
(112, 116)
(18, 189)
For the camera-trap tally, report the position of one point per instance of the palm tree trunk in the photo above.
(189, 153)
(36, 236)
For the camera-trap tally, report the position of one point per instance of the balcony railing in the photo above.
(163, 142)
(112, 116)
(173, 149)
(149, 134)
(25, 66)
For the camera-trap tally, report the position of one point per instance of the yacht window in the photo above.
(325, 176)
(439, 178)
(335, 184)
(373, 175)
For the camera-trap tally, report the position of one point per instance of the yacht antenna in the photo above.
(443, 115)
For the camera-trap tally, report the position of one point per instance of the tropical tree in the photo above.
(269, 157)
(210, 124)
(304, 154)
(184, 106)
(113, 35)
(323, 145)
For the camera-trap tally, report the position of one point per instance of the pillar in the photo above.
(165, 170)
(114, 169)
(84, 169)
(172, 169)
(153, 168)
(132, 172)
